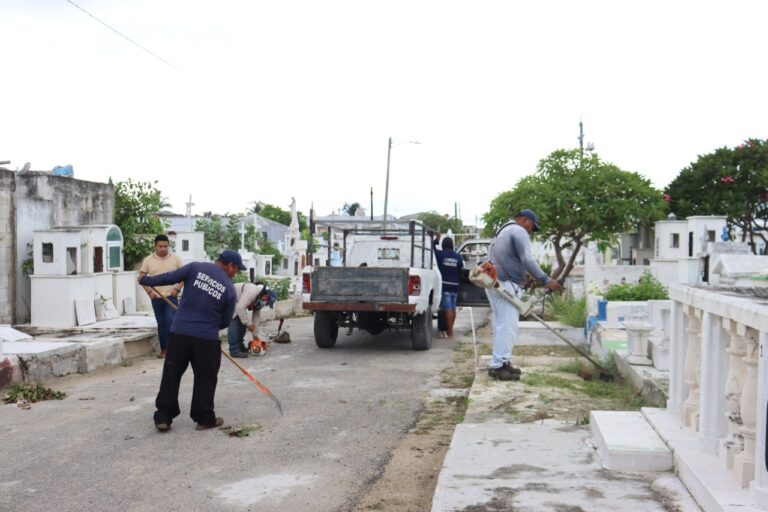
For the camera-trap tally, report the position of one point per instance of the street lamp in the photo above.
(386, 186)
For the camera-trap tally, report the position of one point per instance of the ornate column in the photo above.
(758, 489)
(734, 442)
(637, 338)
(713, 371)
(692, 367)
(677, 389)
(744, 462)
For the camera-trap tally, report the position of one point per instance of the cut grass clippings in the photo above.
(31, 393)
(242, 431)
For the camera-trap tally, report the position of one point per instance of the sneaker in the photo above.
(241, 355)
(164, 426)
(503, 373)
(219, 422)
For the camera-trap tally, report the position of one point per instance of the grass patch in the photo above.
(30, 393)
(544, 350)
(568, 310)
(622, 395)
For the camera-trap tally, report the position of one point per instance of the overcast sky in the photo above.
(263, 101)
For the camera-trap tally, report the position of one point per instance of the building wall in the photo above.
(44, 201)
(7, 245)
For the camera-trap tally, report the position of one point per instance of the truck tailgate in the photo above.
(360, 284)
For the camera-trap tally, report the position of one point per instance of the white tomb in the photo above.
(78, 264)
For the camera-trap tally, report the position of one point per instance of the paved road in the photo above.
(345, 409)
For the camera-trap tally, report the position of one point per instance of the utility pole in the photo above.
(371, 203)
(386, 186)
(581, 140)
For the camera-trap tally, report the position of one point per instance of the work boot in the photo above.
(219, 422)
(241, 355)
(512, 368)
(163, 426)
(504, 373)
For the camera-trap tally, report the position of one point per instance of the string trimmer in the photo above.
(485, 276)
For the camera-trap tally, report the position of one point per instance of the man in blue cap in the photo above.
(510, 252)
(207, 306)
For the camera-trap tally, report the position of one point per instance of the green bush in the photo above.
(281, 286)
(568, 310)
(648, 288)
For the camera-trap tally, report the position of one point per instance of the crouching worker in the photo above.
(206, 307)
(251, 298)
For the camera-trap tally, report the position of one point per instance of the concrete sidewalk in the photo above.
(496, 463)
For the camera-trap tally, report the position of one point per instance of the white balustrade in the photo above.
(719, 380)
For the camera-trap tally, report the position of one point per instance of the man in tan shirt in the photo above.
(160, 262)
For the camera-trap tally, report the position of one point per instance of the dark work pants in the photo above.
(205, 358)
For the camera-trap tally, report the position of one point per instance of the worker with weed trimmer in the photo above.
(251, 298)
(207, 306)
(510, 253)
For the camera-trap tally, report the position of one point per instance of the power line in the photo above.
(124, 36)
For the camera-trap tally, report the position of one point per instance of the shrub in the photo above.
(648, 288)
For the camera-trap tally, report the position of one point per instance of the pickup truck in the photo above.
(388, 280)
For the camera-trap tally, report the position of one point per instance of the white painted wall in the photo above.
(195, 246)
(123, 287)
(665, 229)
(61, 241)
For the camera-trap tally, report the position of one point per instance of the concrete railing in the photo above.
(719, 379)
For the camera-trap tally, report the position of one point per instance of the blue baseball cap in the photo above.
(230, 256)
(530, 214)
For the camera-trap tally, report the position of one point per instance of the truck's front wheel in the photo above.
(326, 329)
(421, 330)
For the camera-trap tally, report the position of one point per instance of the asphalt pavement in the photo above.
(345, 410)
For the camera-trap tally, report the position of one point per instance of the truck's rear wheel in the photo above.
(421, 330)
(326, 329)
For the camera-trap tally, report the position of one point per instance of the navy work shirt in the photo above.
(208, 302)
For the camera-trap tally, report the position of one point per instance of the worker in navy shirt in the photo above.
(206, 307)
(450, 264)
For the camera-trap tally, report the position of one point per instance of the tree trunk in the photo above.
(559, 257)
(572, 259)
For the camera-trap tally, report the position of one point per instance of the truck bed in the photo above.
(360, 284)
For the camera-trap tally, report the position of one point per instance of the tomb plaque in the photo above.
(85, 311)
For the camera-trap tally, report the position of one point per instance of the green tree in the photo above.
(578, 200)
(350, 208)
(266, 247)
(277, 214)
(251, 238)
(215, 232)
(136, 206)
(730, 182)
(442, 223)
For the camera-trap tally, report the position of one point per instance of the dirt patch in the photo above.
(409, 478)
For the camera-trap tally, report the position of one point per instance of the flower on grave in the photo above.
(595, 289)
